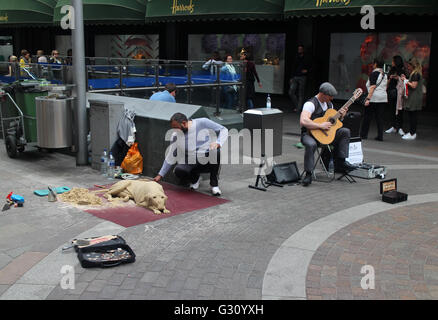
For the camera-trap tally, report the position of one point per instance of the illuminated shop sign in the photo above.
(320, 3)
(182, 7)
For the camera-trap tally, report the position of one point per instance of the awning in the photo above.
(305, 8)
(26, 12)
(107, 11)
(177, 10)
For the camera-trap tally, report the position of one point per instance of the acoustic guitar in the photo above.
(332, 116)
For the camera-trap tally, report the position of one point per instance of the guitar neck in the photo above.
(346, 105)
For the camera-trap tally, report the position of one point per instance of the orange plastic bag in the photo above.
(133, 162)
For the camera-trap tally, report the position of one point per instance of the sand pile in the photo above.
(82, 197)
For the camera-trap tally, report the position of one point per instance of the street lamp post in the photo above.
(80, 80)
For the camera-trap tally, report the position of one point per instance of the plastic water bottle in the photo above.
(104, 163)
(268, 102)
(331, 168)
(111, 166)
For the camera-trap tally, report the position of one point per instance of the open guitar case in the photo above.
(106, 254)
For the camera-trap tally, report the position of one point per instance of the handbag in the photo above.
(363, 98)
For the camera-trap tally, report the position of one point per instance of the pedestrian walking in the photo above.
(251, 76)
(414, 101)
(376, 100)
(395, 84)
(300, 71)
(229, 74)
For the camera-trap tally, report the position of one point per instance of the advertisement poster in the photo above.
(127, 46)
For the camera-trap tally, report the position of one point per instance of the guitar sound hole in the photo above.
(332, 121)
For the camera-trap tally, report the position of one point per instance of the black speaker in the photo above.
(352, 121)
(284, 173)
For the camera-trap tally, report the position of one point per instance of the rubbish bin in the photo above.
(25, 95)
(54, 121)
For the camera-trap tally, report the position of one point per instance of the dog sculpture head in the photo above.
(154, 202)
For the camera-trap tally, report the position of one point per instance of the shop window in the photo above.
(6, 48)
(267, 51)
(352, 56)
(127, 46)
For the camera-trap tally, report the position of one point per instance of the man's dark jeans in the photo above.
(191, 172)
(297, 91)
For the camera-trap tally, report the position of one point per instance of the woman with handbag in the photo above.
(397, 70)
(414, 101)
(229, 74)
(375, 101)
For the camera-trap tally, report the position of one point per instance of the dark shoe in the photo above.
(307, 179)
(378, 139)
(345, 167)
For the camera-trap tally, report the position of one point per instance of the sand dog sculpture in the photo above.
(145, 193)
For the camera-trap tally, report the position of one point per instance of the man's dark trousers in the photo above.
(341, 145)
(297, 91)
(192, 172)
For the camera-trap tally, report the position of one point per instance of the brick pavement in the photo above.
(400, 244)
(215, 253)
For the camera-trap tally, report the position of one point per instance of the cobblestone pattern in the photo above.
(216, 253)
(402, 247)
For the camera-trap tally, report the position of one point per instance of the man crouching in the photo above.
(201, 153)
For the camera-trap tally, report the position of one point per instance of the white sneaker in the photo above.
(216, 191)
(408, 136)
(392, 130)
(195, 186)
(412, 137)
(401, 132)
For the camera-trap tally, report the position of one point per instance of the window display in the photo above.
(6, 48)
(267, 51)
(127, 46)
(352, 55)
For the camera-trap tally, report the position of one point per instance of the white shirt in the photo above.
(310, 107)
(379, 95)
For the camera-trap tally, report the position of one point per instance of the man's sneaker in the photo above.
(307, 179)
(392, 130)
(408, 136)
(401, 132)
(195, 186)
(216, 191)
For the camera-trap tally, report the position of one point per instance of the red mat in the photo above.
(180, 200)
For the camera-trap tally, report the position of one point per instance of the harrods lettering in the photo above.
(178, 7)
(4, 18)
(320, 3)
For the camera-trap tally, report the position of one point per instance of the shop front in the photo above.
(20, 24)
(227, 27)
(114, 29)
(344, 52)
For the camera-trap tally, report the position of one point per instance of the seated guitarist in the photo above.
(313, 109)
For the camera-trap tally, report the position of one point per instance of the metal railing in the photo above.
(132, 77)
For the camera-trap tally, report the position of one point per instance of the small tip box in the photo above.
(388, 190)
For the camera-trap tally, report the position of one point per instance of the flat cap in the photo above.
(328, 89)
